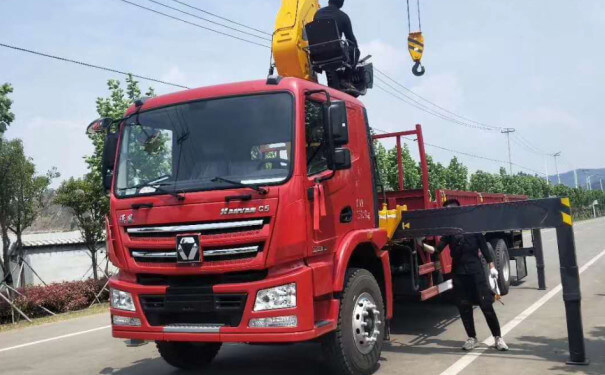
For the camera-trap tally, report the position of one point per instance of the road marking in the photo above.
(468, 358)
(54, 338)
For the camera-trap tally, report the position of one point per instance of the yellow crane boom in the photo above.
(289, 42)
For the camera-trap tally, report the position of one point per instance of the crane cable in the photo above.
(416, 42)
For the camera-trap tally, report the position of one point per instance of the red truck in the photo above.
(253, 213)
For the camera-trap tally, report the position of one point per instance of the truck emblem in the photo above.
(124, 219)
(245, 210)
(188, 249)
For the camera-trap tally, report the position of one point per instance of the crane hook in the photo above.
(418, 70)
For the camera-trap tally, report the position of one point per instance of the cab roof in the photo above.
(294, 85)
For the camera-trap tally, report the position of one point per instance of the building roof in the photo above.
(52, 239)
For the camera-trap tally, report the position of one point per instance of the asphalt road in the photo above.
(426, 337)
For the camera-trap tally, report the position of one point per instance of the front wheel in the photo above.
(188, 355)
(355, 347)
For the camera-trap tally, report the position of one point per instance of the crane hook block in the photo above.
(416, 48)
(418, 70)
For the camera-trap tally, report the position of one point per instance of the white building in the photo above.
(57, 257)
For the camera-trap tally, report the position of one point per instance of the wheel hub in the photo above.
(506, 270)
(366, 323)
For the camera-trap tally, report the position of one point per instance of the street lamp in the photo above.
(556, 155)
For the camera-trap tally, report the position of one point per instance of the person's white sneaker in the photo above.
(470, 344)
(500, 344)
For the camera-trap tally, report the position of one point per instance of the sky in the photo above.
(535, 66)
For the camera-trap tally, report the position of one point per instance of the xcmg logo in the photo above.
(245, 210)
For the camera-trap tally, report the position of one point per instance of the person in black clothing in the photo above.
(333, 12)
(470, 283)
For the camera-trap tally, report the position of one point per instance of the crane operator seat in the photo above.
(333, 55)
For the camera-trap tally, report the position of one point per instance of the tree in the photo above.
(28, 199)
(6, 116)
(456, 175)
(89, 204)
(21, 195)
(486, 182)
(86, 196)
(10, 153)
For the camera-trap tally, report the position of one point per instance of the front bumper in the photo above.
(315, 318)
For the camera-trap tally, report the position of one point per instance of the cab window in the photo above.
(315, 140)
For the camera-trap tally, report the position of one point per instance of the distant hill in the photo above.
(568, 178)
(53, 218)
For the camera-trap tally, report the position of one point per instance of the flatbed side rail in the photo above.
(522, 215)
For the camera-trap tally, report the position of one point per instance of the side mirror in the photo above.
(109, 159)
(338, 123)
(99, 125)
(341, 159)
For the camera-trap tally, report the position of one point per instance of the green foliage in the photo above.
(6, 116)
(89, 204)
(21, 193)
(456, 177)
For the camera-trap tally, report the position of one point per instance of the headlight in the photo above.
(122, 300)
(280, 297)
(126, 321)
(275, 322)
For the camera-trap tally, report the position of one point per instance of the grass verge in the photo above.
(96, 309)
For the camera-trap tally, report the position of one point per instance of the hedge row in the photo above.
(58, 298)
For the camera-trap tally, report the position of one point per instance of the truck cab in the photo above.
(236, 214)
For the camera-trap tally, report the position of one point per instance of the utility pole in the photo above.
(588, 183)
(546, 167)
(556, 155)
(507, 131)
(601, 181)
(575, 175)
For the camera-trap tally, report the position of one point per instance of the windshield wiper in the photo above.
(259, 189)
(158, 187)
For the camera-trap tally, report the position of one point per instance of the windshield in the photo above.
(186, 147)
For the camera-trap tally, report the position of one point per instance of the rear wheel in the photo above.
(502, 260)
(355, 347)
(188, 355)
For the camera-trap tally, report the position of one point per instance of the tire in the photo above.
(188, 355)
(348, 350)
(502, 260)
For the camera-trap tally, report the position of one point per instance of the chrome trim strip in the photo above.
(150, 254)
(234, 251)
(196, 227)
(193, 328)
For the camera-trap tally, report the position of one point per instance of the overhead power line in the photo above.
(195, 24)
(88, 65)
(463, 118)
(475, 156)
(222, 18)
(210, 21)
(416, 104)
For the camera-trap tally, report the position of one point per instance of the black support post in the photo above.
(539, 254)
(570, 279)
(523, 215)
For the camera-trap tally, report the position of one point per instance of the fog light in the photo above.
(279, 297)
(126, 321)
(275, 322)
(122, 300)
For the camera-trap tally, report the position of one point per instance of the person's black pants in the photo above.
(473, 290)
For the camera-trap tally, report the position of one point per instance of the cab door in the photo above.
(330, 195)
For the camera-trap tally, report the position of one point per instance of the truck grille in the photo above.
(193, 305)
(210, 254)
(214, 228)
(201, 280)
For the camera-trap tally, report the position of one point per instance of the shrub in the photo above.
(58, 298)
